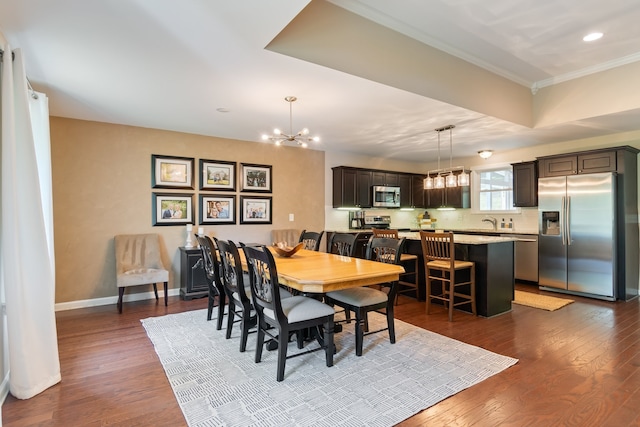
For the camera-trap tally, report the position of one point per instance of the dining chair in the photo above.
(343, 244)
(439, 256)
(212, 273)
(311, 240)
(286, 315)
(364, 299)
(236, 289)
(411, 286)
(138, 262)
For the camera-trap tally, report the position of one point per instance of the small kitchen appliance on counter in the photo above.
(382, 221)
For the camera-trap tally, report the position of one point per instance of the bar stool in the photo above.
(405, 259)
(439, 255)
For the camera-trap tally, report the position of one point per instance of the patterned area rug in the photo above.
(543, 302)
(216, 385)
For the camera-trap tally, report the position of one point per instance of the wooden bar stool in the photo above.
(439, 255)
(410, 285)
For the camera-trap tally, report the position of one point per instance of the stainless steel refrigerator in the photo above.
(577, 234)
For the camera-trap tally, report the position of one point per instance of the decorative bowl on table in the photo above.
(284, 250)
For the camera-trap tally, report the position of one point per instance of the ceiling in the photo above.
(203, 67)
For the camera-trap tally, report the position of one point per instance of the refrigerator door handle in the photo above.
(567, 224)
(563, 227)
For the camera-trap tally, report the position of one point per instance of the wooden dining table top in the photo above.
(321, 272)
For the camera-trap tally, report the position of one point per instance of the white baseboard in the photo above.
(112, 300)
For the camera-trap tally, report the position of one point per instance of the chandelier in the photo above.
(301, 138)
(444, 179)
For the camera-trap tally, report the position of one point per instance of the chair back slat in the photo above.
(390, 234)
(383, 249)
(437, 246)
(343, 244)
(263, 277)
(311, 240)
(231, 269)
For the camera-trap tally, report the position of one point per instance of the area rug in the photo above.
(540, 301)
(216, 385)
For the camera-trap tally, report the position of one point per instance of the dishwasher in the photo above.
(525, 254)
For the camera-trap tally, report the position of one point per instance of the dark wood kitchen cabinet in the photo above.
(417, 191)
(193, 279)
(388, 179)
(351, 187)
(525, 184)
(578, 163)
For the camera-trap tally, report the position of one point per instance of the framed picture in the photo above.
(217, 209)
(217, 175)
(256, 178)
(172, 209)
(255, 209)
(171, 172)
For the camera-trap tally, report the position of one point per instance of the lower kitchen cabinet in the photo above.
(193, 279)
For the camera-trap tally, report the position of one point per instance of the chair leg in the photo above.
(360, 324)
(230, 317)
(155, 291)
(259, 341)
(328, 342)
(212, 302)
(473, 289)
(166, 295)
(245, 324)
(452, 281)
(120, 295)
(221, 304)
(428, 273)
(283, 342)
(390, 323)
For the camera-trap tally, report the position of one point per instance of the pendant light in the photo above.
(443, 179)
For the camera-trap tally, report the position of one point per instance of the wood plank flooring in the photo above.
(579, 366)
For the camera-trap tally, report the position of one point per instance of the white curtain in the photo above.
(26, 233)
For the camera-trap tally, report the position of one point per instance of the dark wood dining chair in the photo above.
(343, 244)
(363, 300)
(439, 256)
(236, 289)
(409, 279)
(311, 240)
(212, 274)
(285, 315)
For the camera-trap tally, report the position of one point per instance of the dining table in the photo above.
(320, 272)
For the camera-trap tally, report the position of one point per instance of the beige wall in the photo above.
(102, 187)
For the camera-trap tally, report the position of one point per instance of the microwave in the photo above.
(386, 197)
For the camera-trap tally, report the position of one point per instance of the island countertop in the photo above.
(465, 239)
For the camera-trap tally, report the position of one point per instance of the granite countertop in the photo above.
(486, 231)
(467, 239)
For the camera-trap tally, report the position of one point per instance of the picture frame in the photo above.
(172, 172)
(255, 209)
(217, 175)
(217, 209)
(256, 178)
(171, 209)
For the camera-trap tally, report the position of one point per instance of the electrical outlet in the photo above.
(290, 217)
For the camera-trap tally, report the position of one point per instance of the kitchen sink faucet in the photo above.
(493, 222)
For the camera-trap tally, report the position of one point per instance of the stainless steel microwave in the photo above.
(386, 197)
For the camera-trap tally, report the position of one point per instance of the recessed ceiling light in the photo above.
(222, 110)
(591, 37)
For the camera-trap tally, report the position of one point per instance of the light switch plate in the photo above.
(290, 217)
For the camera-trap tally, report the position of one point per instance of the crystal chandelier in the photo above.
(443, 179)
(301, 138)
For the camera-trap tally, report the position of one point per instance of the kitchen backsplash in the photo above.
(524, 221)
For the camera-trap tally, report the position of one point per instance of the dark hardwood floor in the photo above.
(578, 366)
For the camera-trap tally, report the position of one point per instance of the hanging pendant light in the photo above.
(463, 179)
(439, 181)
(428, 183)
(301, 138)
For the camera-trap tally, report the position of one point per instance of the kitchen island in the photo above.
(493, 256)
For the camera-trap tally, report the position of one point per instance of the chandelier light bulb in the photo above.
(277, 131)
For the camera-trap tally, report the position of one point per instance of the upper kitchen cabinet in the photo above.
(525, 184)
(388, 179)
(578, 163)
(418, 193)
(351, 187)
